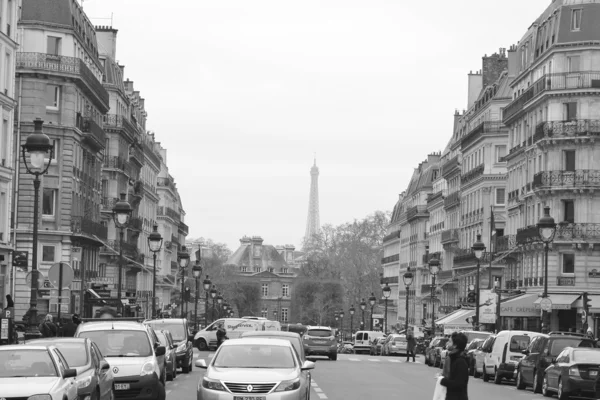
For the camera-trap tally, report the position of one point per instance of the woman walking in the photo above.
(456, 378)
(411, 344)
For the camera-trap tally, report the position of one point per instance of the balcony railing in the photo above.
(416, 212)
(449, 166)
(115, 162)
(166, 182)
(136, 223)
(389, 259)
(149, 152)
(577, 231)
(577, 178)
(91, 131)
(184, 228)
(391, 236)
(528, 235)
(120, 121)
(389, 280)
(558, 81)
(484, 127)
(168, 212)
(71, 66)
(574, 128)
(472, 174)
(453, 199)
(108, 203)
(505, 243)
(434, 196)
(449, 236)
(128, 248)
(88, 227)
(565, 281)
(430, 256)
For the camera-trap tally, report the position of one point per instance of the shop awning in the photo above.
(93, 293)
(521, 306)
(559, 301)
(458, 322)
(456, 314)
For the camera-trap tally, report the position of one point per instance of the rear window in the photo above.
(586, 356)
(477, 335)
(319, 332)
(519, 343)
(359, 336)
(399, 339)
(559, 345)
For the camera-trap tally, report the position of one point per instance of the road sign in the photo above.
(61, 272)
(4, 329)
(546, 304)
(39, 277)
(380, 316)
(583, 317)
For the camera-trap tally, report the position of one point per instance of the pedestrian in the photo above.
(458, 374)
(48, 328)
(590, 333)
(70, 327)
(221, 334)
(411, 344)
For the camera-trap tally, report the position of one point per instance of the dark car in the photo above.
(470, 351)
(320, 341)
(572, 373)
(539, 354)
(179, 330)
(166, 340)
(434, 350)
(94, 379)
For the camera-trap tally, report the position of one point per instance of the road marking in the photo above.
(318, 389)
(394, 361)
(322, 395)
(354, 359)
(374, 359)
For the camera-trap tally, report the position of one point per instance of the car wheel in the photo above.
(475, 373)
(562, 395)
(486, 377)
(174, 370)
(537, 385)
(201, 345)
(520, 383)
(185, 368)
(162, 394)
(333, 357)
(497, 377)
(545, 390)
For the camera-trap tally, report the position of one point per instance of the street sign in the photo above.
(380, 316)
(4, 329)
(546, 304)
(39, 277)
(8, 313)
(61, 272)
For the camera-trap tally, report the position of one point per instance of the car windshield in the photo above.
(474, 344)
(319, 332)
(26, 363)
(176, 329)
(254, 356)
(117, 343)
(586, 356)
(477, 335)
(519, 342)
(74, 352)
(559, 345)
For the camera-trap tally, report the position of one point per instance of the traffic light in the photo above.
(186, 296)
(471, 296)
(587, 302)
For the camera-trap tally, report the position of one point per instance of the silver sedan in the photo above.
(255, 369)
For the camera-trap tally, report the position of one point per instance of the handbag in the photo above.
(439, 393)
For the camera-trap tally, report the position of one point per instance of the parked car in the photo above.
(481, 353)
(470, 350)
(179, 331)
(166, 340)
(320, 341)
(394, 344)
(539, 354)
(376, 346)
(94, 378)
(501, 363)
(572, 373)
(433, 352)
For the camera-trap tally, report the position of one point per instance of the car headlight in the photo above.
(84, 383)
(285, 386)
(40, 397)
(212, 384)
(181, 347)
(147, 369)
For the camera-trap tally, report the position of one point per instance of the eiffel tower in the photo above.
(313, 223)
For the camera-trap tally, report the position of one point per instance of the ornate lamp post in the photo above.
(408, 280)
(230, 313)
(219, 302)
(372, 301)
(386, 295)
(38, 146)
(434, 268)
(197, 270)
(183, 259)
(363, 307)
(342, 323)
(121, 214)
(336, 316)
(155, 242)
(213, 295)
(478, 248)
(351, 311)
(275, 315)
(206, 284)
(546, 229)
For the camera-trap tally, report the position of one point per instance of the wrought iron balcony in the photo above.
(108, 203)
(416, 212)
(168, 212)
(120, 121)
(452, 200)
(166, 182)
(92, 132)
(577, 232)
(528, 235)
(136, 223)
(128, 248)
(389, 259)
(391, 236)
(389, 280)
(434, 196)
(450, 166)
(479, 130)
(573, 128)
(149, 152)
(115, 162)
(505, 243)
(567, 179)
(472, 174)
(88, 227)
(184, 228)
(430, 256)
(565, 281)
(136, 154)
(449, 236)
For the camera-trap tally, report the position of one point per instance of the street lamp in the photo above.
(546, 229)
(408, 280)
(342, 323)
(121, 214)
(372, 301)
(37, 145)
(155, 242)
(478, 248)
(386, 295)
(275, 315)
(206, 284)
(351, 311)
(434, 268)
(197, 270)
(219, 302)
(183, 258)
(363, 307)
(213, 295)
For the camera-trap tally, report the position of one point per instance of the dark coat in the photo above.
(458, 381)
(411, 343)
(48, 329)
(69, 329)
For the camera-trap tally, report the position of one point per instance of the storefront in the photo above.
(520, 313)
(457, 321)
(563, 315)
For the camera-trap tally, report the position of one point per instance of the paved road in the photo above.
(367, 377)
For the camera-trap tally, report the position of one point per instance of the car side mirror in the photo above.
(201, 364)
(191, 338)
(160, 351)
(70, 373)
(526, 352)
(307, 365)
(104, 366)
(549, 359)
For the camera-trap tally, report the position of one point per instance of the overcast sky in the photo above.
(242, 93)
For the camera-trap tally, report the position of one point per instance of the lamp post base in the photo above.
(32, 331)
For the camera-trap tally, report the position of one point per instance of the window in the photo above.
(48, 253)
(285, 290)
(53, 45)
(576, 19)
(265, 289)
(500, 196)
(244, 268)
(284, 270)
(52, 97)
(569, 211)
(271, 269)
(569, 160)
(48, 202)
(284, 315)
(257, 268)
(568, 263)
(570, 111)
(8, 77)
(574, 64)
(264, 313)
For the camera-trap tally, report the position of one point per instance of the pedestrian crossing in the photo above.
(393, 360)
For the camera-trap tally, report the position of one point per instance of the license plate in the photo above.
(593, 373)
(121, 386)
(249, 398)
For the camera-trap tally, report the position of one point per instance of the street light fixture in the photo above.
(219, 302)
(434, 268)
(408, 280)
(546, 229)
(213, 296)
(342, 323)
(387, 292)
(363, 307)
(372, 301)
(206, 284)
(275, 315)
(38, 146)
(479, 249)
(121, 214)
(351, 311)
(183, 260)
(197, 270)
(155, 242)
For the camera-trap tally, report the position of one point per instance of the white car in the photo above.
(38, 371)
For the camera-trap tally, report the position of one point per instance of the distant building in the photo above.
(313, 221)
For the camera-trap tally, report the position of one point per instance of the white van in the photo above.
(207, 337)
(363, 339)
(501, 362)
(267, 325)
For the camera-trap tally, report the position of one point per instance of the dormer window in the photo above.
(257, 250)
